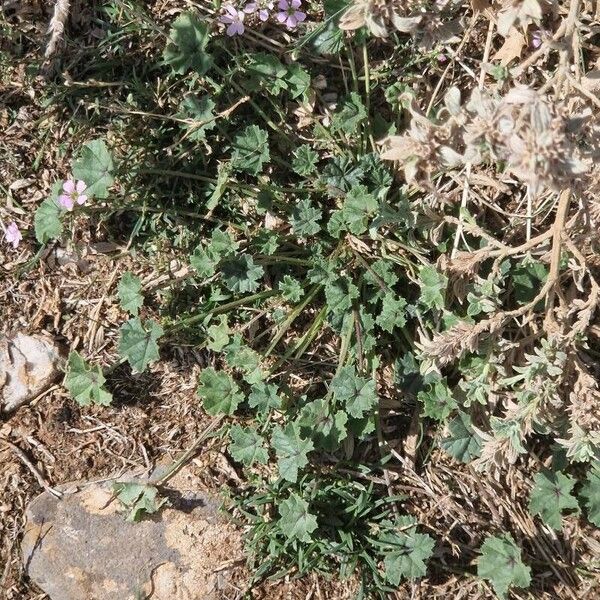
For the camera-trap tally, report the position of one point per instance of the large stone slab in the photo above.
(80, 547)
(29, 364)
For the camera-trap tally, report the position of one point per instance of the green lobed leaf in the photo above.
(95, 167)
(203, 263)
(218, 335)
(141, 498)
(218, 391)
(47, 219)
(291, 450)
(199, 111)
(296, 522)
(304, 219)
(591, 493)
(138, 343)
(186, 48)
(351, 115)
(129, 292)
(551, 495)
(290, 289)
(265, 71)
(393, 313)
(325, 426)
(357, 394)
(247, 446)
(500, 563)
(85, 383)
(305, 160)
(339, 295)
(263, 397)
(359, 206)
(433, 284)
(438, 400)
(251, 150)
(47, 223)
(298, 80)
(240, 356)
(241, 275)
(341, 174)
(408, 559)
(462, 442)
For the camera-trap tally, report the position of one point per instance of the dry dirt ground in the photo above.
(70, 293)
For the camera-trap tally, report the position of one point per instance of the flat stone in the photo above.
(29, 364)
(81, 547)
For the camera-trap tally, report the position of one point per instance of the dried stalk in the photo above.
(57, 26)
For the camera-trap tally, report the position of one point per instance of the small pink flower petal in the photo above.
(291, 22)
(235, 29)
(300, 16)
(81, 187)
(82, 199)
(12, 235)
(66, 201)
(283, 5)
(282, 17)
(250, 8)
(263, 14)
(226, 19)
(296, 3)
(69, 186)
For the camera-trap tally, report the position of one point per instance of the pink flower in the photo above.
(234, 19)
(73, 192)
(536, 38)
(12, 235)
(290, 15)
(261, 6)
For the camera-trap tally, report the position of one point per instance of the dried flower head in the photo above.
(428, 24)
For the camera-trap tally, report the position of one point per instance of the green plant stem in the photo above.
(219, 310)
(292, 317)
(232, 184)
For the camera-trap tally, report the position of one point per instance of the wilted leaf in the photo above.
(512, 47)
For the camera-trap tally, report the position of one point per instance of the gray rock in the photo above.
(28, 366)
(80, 546)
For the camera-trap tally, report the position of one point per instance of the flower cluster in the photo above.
(288, 14)
(72, 194)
